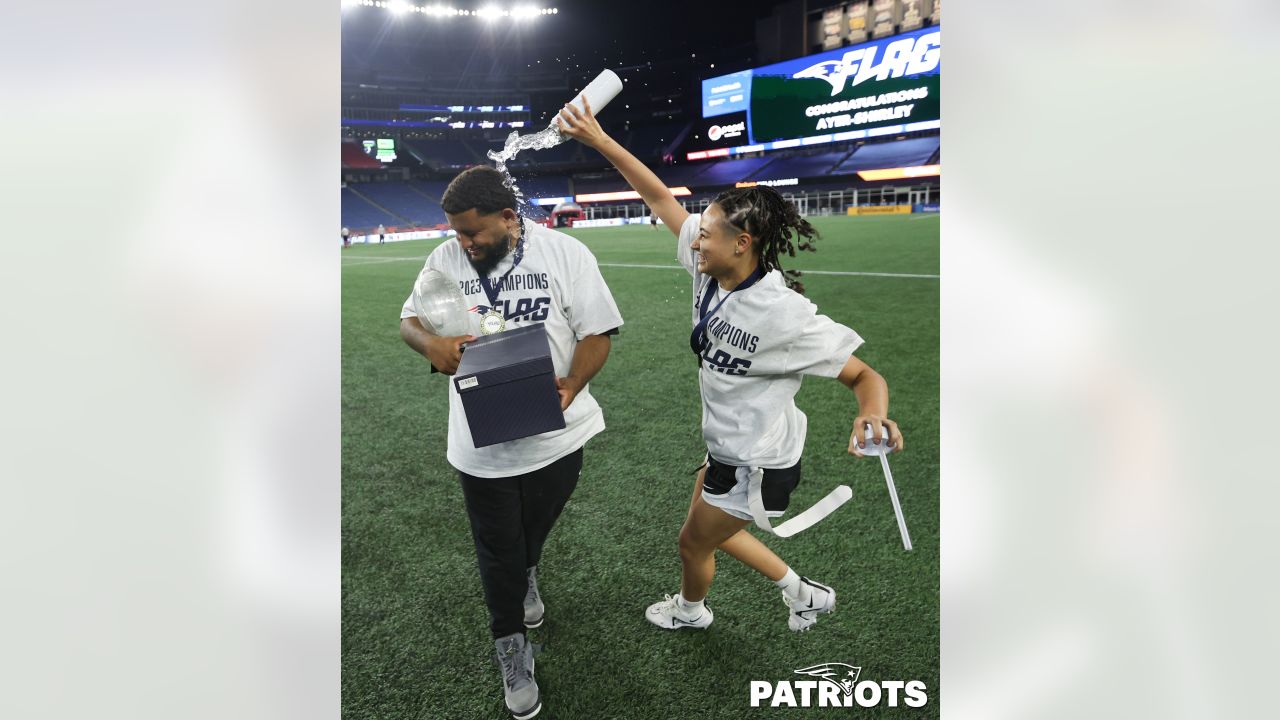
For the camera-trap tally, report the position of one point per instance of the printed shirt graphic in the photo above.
(763, 340)
(558, 283)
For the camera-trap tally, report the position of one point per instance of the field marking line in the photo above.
(839, 273)
(807, 272)
(376, 260)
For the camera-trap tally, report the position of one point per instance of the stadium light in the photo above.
(626, 195)
(488, 13)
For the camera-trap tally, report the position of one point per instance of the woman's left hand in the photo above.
(857, 439)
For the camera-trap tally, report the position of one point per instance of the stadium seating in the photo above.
(433, 189)
(902, 153)
(569, 153)
(445, 153)
(677, 175)
(648, 142)
(353, 156)
(543, 186)
(403, 200)
(609, 181)
(359, 214)
(537, 212)
(728, 172)
(800, 166)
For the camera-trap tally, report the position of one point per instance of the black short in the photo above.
(775, 488)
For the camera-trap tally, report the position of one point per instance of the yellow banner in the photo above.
(880, 210)
(900, 173)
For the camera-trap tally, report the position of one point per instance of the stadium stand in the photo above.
(358, 213)
(801, 166)
(648, 142)
(445, 153)
(543, 186)
(537, 212)
(404, 201)
(728, 172)
(609, 181)
(569, 153)
(433, 189)
(353, 156)
(902, 153)
(677, 175)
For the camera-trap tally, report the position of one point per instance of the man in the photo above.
(346, 236)
(382, 234)
(513, 273)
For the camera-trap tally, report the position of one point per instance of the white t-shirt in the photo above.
(557, 283)
(763, 340)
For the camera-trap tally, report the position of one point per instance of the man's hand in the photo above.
(446, 352)
(569, 387)
(858, 439)
(582, 125)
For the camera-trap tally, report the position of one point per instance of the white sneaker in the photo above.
(822, 599)
(668, 615)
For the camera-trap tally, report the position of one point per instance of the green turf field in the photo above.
(414, 626)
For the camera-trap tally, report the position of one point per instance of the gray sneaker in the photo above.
(515, 658)
(533, 607)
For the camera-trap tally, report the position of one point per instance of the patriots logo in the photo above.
(833, 71)
(839, 674)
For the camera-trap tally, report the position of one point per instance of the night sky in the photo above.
(660, 49)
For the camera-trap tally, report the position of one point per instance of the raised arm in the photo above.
(583, 126)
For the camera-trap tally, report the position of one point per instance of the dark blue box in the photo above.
(508, 386)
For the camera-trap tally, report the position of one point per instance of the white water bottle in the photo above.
(599, 92)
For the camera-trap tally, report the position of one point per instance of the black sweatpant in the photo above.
(510, 520)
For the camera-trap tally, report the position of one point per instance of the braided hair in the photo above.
(771, 221)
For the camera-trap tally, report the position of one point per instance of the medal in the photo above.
(492, 322)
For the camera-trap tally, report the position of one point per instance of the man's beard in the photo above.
(492, 256)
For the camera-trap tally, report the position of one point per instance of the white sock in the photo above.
(791, 585)
(686, 607)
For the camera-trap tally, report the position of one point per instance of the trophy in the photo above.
(440, 305)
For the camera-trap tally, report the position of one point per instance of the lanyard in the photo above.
(698, 339)
(493, 290)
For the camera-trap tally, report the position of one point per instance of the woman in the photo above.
(755, 337)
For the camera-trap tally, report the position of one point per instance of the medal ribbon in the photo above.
(493, 290)
(698, 339)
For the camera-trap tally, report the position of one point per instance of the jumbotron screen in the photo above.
(383, 149)
(881, 87)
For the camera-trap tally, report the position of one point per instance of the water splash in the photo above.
(541, 140)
